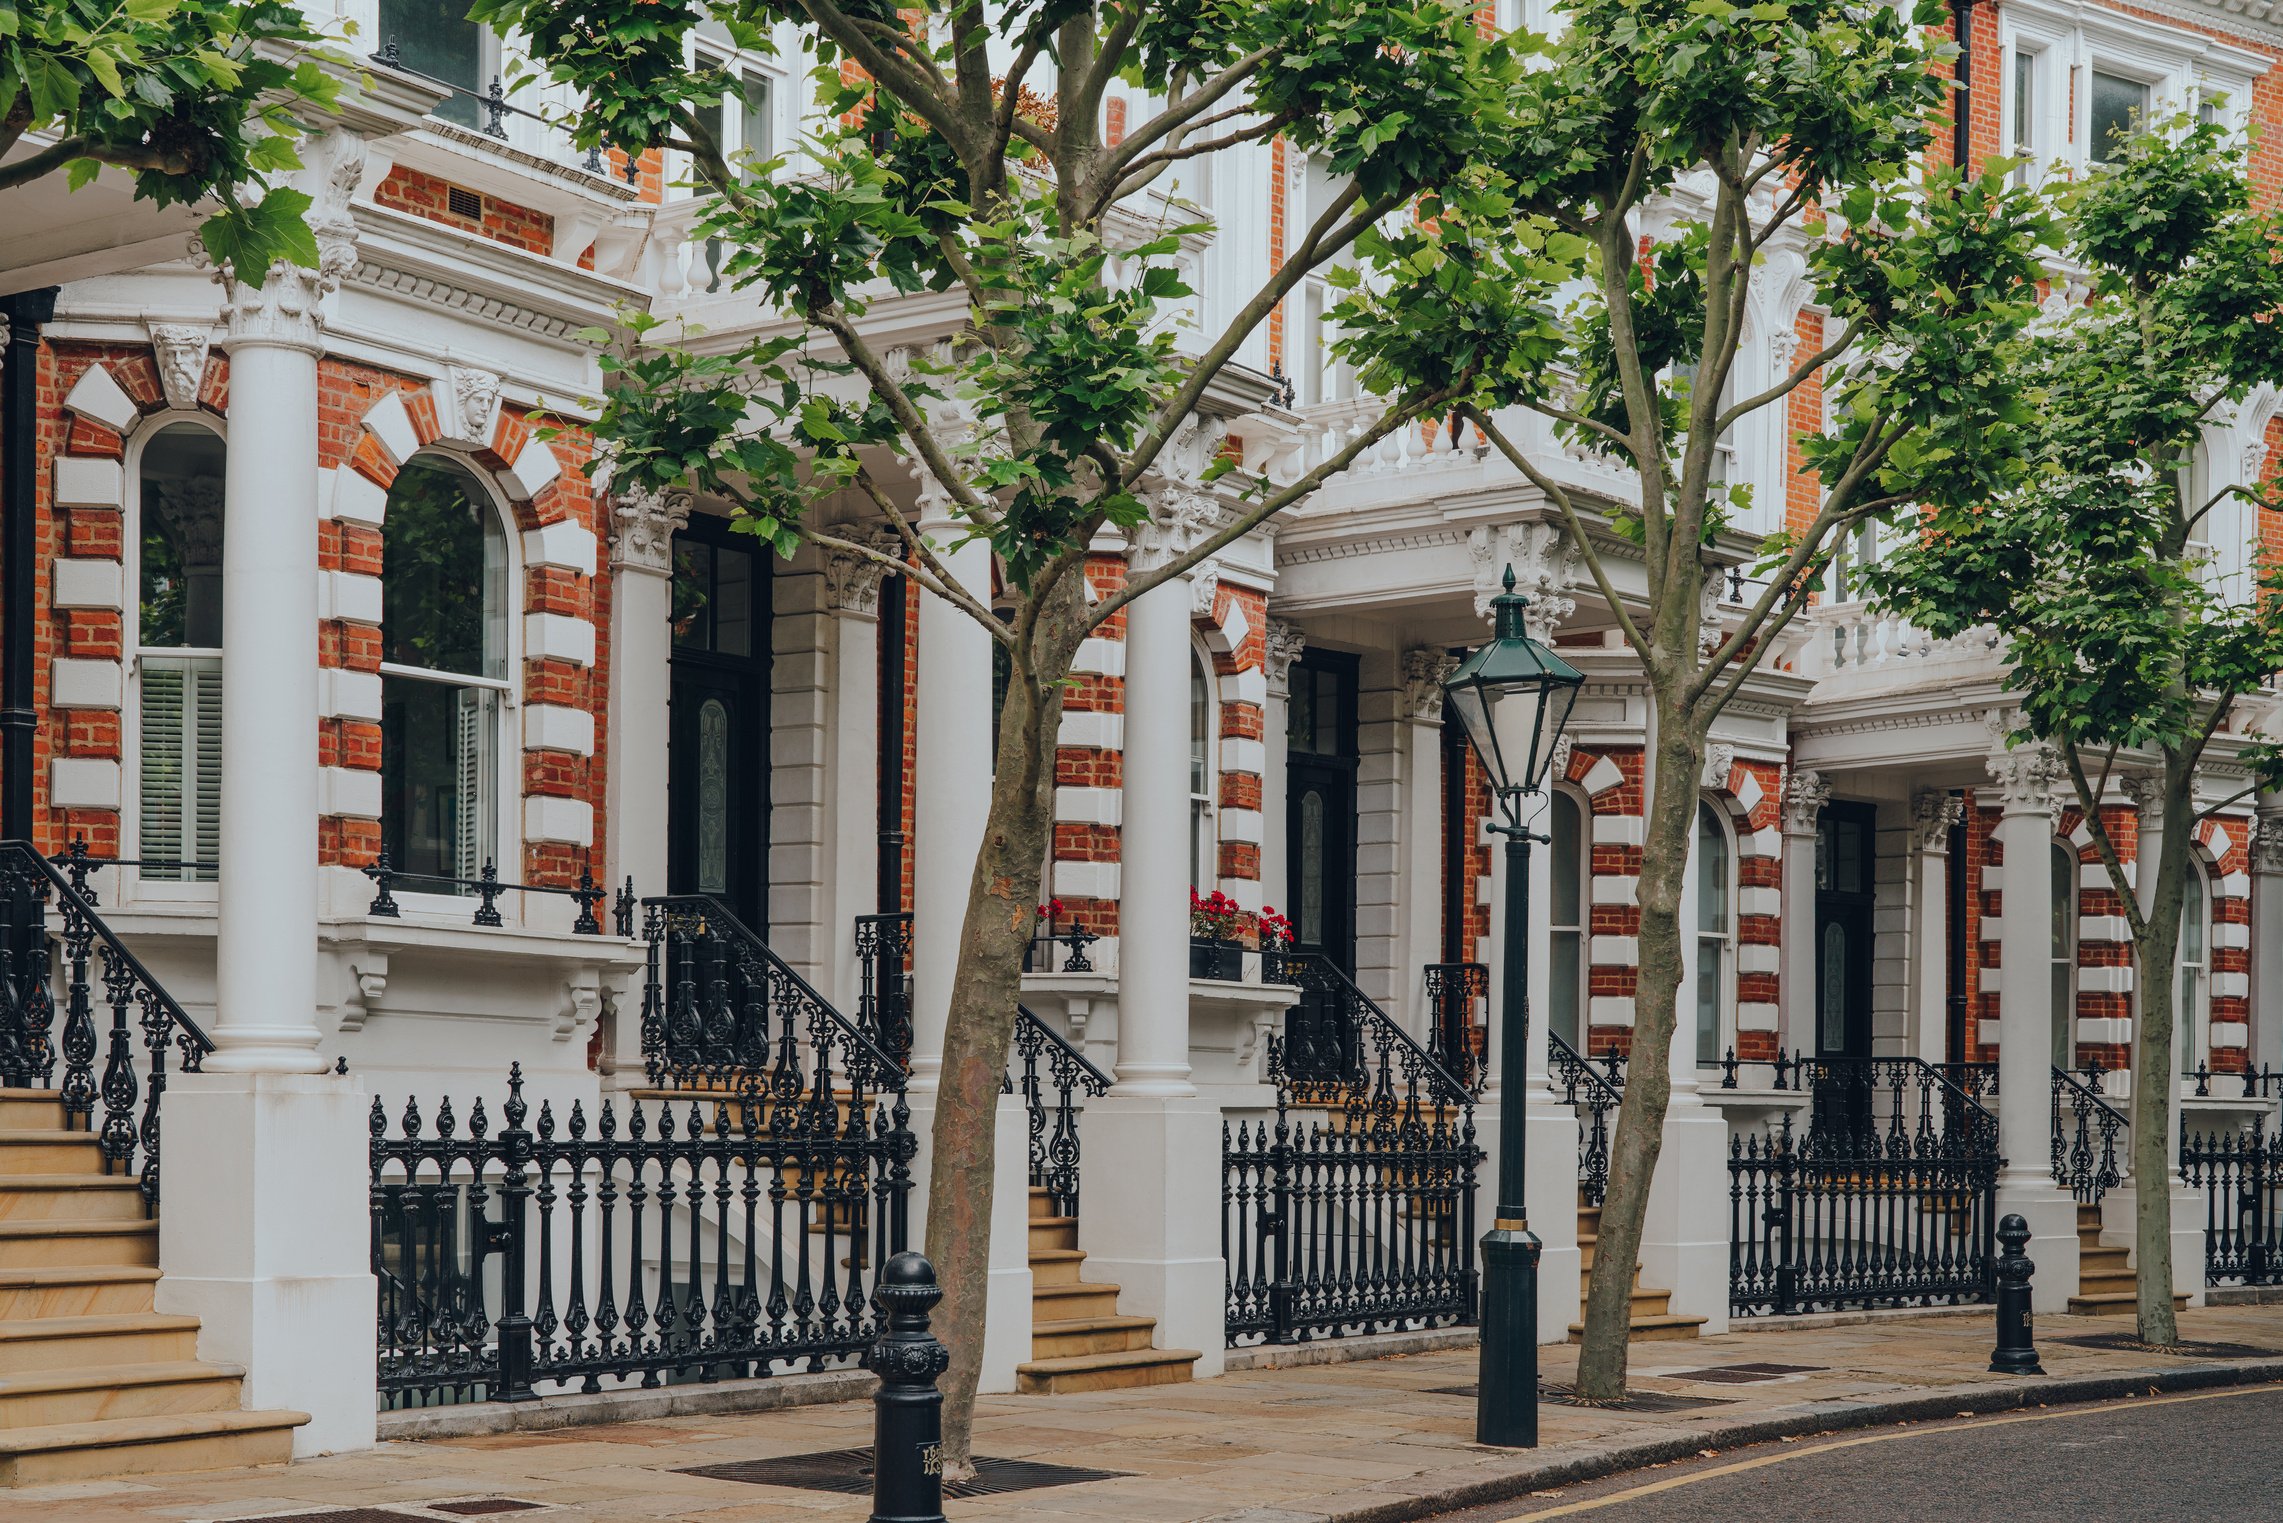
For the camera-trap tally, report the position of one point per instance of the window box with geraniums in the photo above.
(1275, 947)
(1214, 951)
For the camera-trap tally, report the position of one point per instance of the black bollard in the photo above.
(907, 1410)
(2016, 1353)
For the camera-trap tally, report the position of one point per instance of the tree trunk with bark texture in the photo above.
(2156, 954)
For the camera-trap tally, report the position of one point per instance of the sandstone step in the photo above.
(1041, 1201)
(1055, 1266)
(98, 1393)
(37, 1108)
(1090, 1335)
(76, 1290)
(1105, 1372)
(1053, 1232)
(146, 1445)
(36, 1150)
(1668, 1327)
(71, 1197)
(37, 1244)
(1063, 1303)
(54, 1343)
(2115, 1303)
(2098, 1260)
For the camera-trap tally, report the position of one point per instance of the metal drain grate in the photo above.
(1550, 1395)
(849, 1471)
(2131, 1344)
(477, 1507)
(1743, 1374)
(333, 1515)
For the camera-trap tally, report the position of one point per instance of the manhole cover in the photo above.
(2131, 1344)
(1640, 1401)
(477, 1507)
(849, 1471)
(332, 1515)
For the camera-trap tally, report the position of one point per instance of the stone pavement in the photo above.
(1373, 1441)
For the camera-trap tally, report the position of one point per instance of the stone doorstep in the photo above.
(1402, 1502)
(1289, 1356)
(633, 1404)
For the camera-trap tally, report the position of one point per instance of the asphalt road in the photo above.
(2210, 1455)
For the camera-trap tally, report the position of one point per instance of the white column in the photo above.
(263, 1235)
(2267, 939)
(1805, 793)
(1419, 884)
(1284, 644)
(852, 820)
(1382, 785)
(1933, 813)
(952, 788)
(641, 653)
(2025, 777)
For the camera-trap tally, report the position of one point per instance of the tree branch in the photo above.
(914, 82)
(79, 146)
(2097, 826)
(2236, 797)
(1149, 166)
(1178, 114)
(1785, 387)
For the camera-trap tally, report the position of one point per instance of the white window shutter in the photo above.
(162, 771)
(203, 789)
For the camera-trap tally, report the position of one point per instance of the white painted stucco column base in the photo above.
(1007, 1307)
(1684, 1235)
(1552, 1141)
(2051, 1213)
(2120, 1209)
(1149, 1217)
(264, 1239)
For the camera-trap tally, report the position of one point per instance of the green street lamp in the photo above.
(1513, 697)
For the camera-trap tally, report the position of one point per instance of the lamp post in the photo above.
(1515, 685)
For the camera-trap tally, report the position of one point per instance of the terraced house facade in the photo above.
(382, 749)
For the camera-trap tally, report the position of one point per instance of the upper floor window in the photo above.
(444, 670)
(178, 658)
(436, 38)
(2115, 107)
(741, 121)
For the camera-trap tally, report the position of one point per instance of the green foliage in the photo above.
(195, 99)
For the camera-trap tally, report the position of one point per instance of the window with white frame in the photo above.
(2115, 106)
(436, 38)
(741, 120)
(2074, 79)
(1568, 932)
(2190, 1013)
(444, 670)
(1715, 933)
(1204, 862)
(2027, 136)
(2064, 956)
(178, 653)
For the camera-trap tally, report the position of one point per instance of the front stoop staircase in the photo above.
(1653, 1317)
(1078, 1340)
(2105, 1284)
(93, 1381)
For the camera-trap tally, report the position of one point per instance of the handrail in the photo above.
(2074, 1167)
(1439, 1077)
(488, 887)
(714, 909)
(1573, 1067)
(1096, 1080)
(194, 1034)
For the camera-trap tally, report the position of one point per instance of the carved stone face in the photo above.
(477, 392)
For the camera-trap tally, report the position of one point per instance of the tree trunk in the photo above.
(1640, 1131)
(2156, 953)
(1002, 899)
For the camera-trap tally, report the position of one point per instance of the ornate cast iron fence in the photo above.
(1050, 1094)
(1595, 1095)
(81, 953)
(884, 965)
(696, 1236)
(2241, 1175)
(2087, 1135)
(1353, 1211)
(1461, 1042)
(1888, 1199)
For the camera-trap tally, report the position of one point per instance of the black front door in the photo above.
(1320, 807)
(1845, 850)
(717, 806)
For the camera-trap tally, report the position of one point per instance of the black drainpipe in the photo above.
(890, 887)
(1962, 103)
(27, 312)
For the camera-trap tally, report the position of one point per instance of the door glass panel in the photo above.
(1311, 924)
(713, 797)
(1562, 985)
(1711, 979)
(436, 38)
(1569, 862)
(2064, 942)
(1832, 1017)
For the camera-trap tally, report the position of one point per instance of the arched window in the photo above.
(1566, 975)
(2064, 955)
(1715, 935)
(1204, 863)
(444, 670)
(2190, 1016)
(178, 652)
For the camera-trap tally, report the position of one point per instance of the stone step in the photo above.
(2115, 1303)
(98, 1393)
(1105, 1372)
(71, 1197)
(1056, 1266)
(1064, 1303)
(1041, 1201)
(1090, 1335)
(1659, 1329)
(34, 1150)
(1053, 1232)
(2095, 1259)
(76, 1290)
(146, 1445)
(40, 1109)
(57, 1343)
(2107, 1284)
(41, 1244)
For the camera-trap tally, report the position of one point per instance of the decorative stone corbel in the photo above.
(1719, 761)
(371, 978)
(1424, 671)
(181, 350)
(1284, 644)
(1806, 791)
(1933, 813)
(578, 1012)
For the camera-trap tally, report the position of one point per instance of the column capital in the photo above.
(852, 581)
(2267, 844)
(2025, 776)
(1545, 569)
(2146, 790)
(1178, 520)
(1806, 791)
(1284, 643)
(1933, 812)
(642, 526)
(287, 310)
(1424, 669)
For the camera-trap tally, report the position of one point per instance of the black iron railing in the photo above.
(43, 1048)
(2241, 1175)
(2088, 1134)
(2261, 1083)
(1053, 1076)
(1595, 1095)
(699, 1237)
(1353, 1211)
(1455, 995)
(497, 108)
(1058, 948)
(487, 887)
(1888, 1199)
(884, 969)
(720, 1010)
